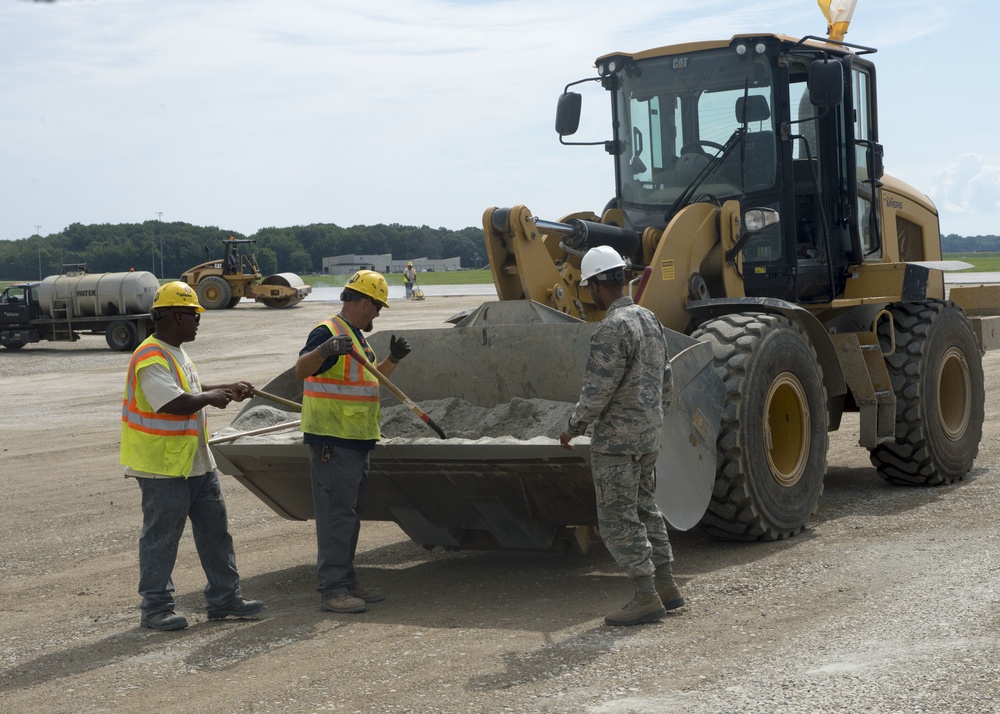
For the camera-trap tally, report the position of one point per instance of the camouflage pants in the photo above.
(632, 527)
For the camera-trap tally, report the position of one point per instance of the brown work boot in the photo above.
(367, 594)
(644, 607)
(670, 595)
(343, 602)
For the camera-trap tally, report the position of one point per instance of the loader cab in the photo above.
(769, 121)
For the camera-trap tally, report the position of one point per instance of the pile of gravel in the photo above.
(518, 419)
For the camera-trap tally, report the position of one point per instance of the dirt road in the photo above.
(888, 603)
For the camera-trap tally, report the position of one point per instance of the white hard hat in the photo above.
(599, 260)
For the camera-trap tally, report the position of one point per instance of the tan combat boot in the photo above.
(644, 607)
(670, 595)
(667, 588)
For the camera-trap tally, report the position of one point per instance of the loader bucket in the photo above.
(494, 492)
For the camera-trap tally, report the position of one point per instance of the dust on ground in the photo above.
(887, 603)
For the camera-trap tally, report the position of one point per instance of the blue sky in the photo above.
(245, 114)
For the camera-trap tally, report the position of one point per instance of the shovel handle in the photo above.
(384, 381)
(295, 406)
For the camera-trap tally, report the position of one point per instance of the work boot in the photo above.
(163, 621)
(644, 607)
(670, 595)
(237, 608)
(343, 602)
(666, 587)
(367, 594)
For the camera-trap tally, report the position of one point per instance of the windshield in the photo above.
(677, 113)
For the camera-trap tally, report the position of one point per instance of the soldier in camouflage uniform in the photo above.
(625, 389)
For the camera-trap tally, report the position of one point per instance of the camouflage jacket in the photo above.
(627, 382)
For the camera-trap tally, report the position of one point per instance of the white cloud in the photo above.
(968, 188)
(249, 113)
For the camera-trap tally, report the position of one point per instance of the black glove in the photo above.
(398, 348)
(335, 346)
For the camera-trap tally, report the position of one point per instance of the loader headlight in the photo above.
(757, 219)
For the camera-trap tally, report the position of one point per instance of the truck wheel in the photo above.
(937, 375)
(773, 439)
(122, 335)
(233, 302)
(214, 293)
(13, 345)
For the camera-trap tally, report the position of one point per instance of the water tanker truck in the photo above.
(63, 307)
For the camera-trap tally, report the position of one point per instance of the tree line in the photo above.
(107, 248)
(169, 249)
(970, 244)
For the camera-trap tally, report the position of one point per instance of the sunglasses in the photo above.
(378, 306)
(195, 315)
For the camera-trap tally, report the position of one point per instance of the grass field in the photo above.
(981, 262)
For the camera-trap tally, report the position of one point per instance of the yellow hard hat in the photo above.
(410, 264)
(372, 284)
(176, 294)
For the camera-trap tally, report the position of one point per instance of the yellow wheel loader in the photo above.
(751, 198)
(221, 284)
(796, 282)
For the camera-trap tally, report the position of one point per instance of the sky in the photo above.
(247, 114)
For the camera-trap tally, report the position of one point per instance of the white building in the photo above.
(348, 264)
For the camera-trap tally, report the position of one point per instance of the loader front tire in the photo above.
(214, 293)
(773, 440)
(936, 372)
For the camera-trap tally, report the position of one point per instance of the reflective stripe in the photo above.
(343, 401)
(157, 443)
(151, 422)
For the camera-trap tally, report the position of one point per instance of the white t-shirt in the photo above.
(160, 388)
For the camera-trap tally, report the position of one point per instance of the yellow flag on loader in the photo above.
(838, 16)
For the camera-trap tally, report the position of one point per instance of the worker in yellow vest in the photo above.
(164, 445)
(341, 416)
(409, 279)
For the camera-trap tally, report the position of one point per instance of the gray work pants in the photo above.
(339, 482)
(167, 504)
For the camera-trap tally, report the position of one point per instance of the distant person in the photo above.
(625, 386)
(409, 279)
(341, 419)
(164, 446)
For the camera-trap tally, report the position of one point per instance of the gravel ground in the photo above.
(886, 604)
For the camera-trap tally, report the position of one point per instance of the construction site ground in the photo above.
(887, 603)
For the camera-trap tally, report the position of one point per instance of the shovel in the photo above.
(294, 406)
(424, 416)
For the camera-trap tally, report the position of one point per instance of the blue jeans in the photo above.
(339, 482)
(167, 503)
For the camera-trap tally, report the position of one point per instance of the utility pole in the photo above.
(159, 230)
(38, 232)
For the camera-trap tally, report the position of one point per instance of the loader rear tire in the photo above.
(773, 439)
(233, 302)
(937, 375)
(214, 293)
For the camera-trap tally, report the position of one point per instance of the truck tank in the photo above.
(99, 294)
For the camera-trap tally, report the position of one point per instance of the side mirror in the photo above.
(568, 113)
(875, 163)
(826, 83)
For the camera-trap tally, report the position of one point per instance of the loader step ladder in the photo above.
(62, 321)
(864, 369)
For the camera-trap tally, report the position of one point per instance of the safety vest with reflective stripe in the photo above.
(163, 444)
(344, 400)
